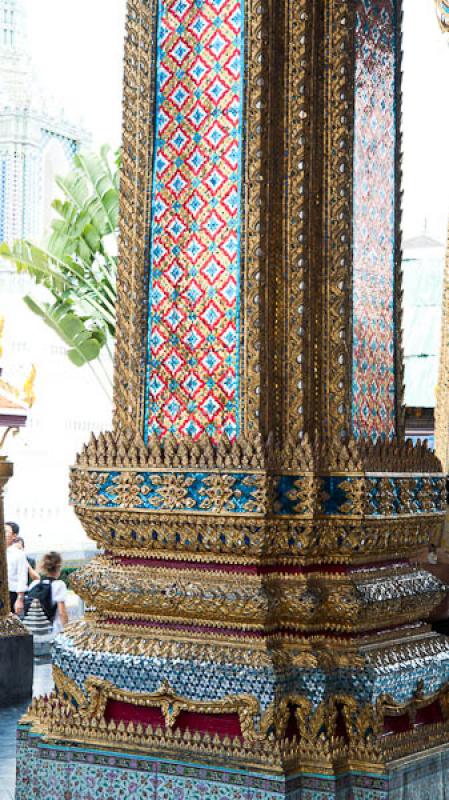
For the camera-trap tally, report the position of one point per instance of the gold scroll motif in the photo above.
(262, 742)
(242, 541)
(99, 692)
(313, 719)
(303, 496)
(253, 452)
(135, 180)
(255, 239)
(221, 492)
(386, 706)
(442, 391)
(333, 402)
(294, 286)
(362, 601)
(97, 636)
(315, 651)
(363, 527)
(356, 501)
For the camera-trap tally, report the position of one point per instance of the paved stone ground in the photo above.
(8, 720)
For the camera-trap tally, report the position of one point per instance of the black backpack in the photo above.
(42, 592)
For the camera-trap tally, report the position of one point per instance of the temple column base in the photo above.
(62, 769)
(16, 662)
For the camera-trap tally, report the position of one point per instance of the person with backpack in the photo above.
(50, 591)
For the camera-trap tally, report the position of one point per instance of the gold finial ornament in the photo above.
(29, 394)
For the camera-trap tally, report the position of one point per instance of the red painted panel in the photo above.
(128, 712)
(221, 724)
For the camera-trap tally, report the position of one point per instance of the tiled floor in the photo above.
(8, 721)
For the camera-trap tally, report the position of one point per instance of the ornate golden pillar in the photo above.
(7, 621)
(16, 644)
(258, 615)
(442, 392)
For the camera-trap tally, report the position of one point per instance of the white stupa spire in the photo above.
(15, 72)
(37, 141)
(12, 19)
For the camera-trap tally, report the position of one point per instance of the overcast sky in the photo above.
(77, 50)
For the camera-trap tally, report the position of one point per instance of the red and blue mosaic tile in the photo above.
(374, 379)
(193, 336)
(80, 773)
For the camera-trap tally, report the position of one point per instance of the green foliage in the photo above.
(77, 264)
(83, 345)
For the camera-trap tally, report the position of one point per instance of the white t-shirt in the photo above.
(58, 595)
(17, 564)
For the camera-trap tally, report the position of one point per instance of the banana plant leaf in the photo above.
(77, 263)
(38, 263)
(84, 345)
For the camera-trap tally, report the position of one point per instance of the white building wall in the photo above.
(35, 145)
(69, 405)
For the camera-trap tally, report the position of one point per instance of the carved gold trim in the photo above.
(357, 601)
(171, 704)
(259, 494)
(135, 179)
(9, 625)
(333, 404)
(386, 706)
(398, 279)
(294, 288)
(442, 391)
(251, 453)
(96, 635)
(254, 239)
(262, 744)
(242, 541)
(66, 686)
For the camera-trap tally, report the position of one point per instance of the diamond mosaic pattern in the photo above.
(48, 771)
(374, 221)
(194, 271)
(207, 680)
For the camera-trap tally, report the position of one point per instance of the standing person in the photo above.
(33, 575)
(51, 591)
(17, 566)
(12, 529)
